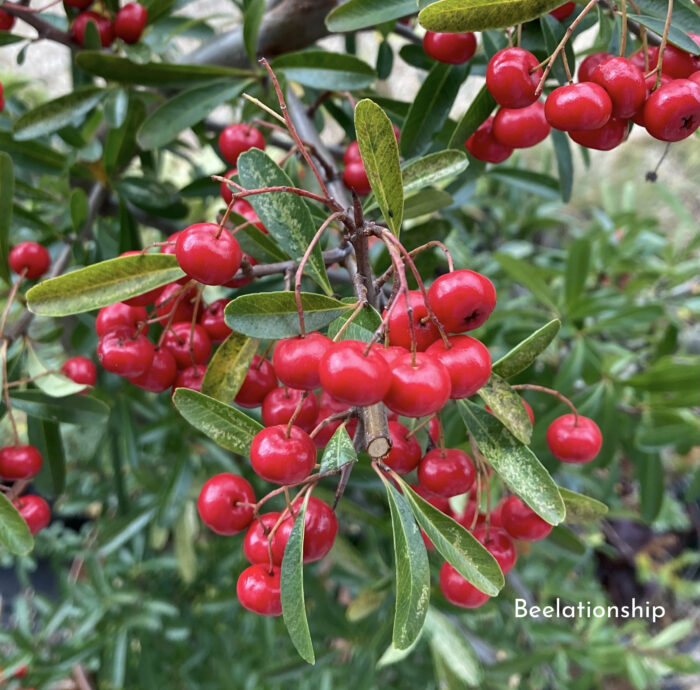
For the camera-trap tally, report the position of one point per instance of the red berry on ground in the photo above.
(453, 49)
(426, 332)
(405, 453)
(160, 375)
(418, 388)
(520, 128)
(484, 146)
(120, 316)
(237, 139)
(225, 503)
(35, 511)
(578, 106)
(80, 370)
(255, 542)
(563, 11)
(608, 137)
(467, 361)
(258, 590)
(125, 354)
(212, 320)
(625, 84)
(521, 522)
(588, 65)
(320, 529)
(280, 404)
(575, 440)
(459, 591)
(191, 378)
(282, 459)
(208, 253)
(296, 360)
(672, 112)
(510, 79)
(105, 28)
(258, 382)
(130, 22)
(19, 462)
(446, 473)
(355, 178)
(187, 344)
(462, 300)
(499, 544)
(30, 257)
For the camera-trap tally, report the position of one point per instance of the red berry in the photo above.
(320, 528)
(187, 344)
(79, 4)
(169, 245)
(280, 404)
(462, 300)
(679, 64)
(244, 209)
(130, 22)
(258, 590)
(392, 352)
(459, 591)
(418, 388)
(19, 462)
(578, 106)
(7, 21)
(255, 543)
(258, 382)
(484, 146)
(120, 316)
(563, 11)
(352, 377)
(208, 254)
(499, 545)
(439, 502)
(225, 190)
(586, 68)
(147, 297)
(426, 332)
(454, 49)
(694, 77)
(405, 453)
(30, 257)
(35, 511)
(125, 354)
(191, 378)
(237, 139)
(638, 117)
(212, 320)
(177, 302)
(574, 440)
(352, 153)
(282, 459)
(467, 361)
(80, 370)
(105, 28)
(521, 522)
(521, 128)
(608, 137)
(355, 178)
(446, 473)
(160, 375)
(625, 84)
(296, 360)
(466, 517)
(246, 277)
(323, 436)
(672, 112)
(225, 503)
(510, 79)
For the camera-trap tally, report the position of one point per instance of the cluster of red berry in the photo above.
(128, 24)
(354, 174)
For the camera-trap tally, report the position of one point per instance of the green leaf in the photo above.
(252, 19)
(667, 375)
(60, 112)
(285, 215)
(73, 409)
(322, 69)
(45, 436)
(456, 16)
(477, 113)
(55, 385)
(565, 163)
(163, 74)
(228, 367)
(339, 451)
(257, 244)
(456, 545)
(7, 191)
(514, 462)
(526, 352)
(578, 262)
(425, 202)
(359, 14)
(223, 424)
(580, 508)
(430, 107)
(685, 15)
(380, 154)
(535, 183)
(273, 315)
(412, 572)
(116, 107)
(33, 155)
(449, 642)
(184, 537)
(650, 473)
(292, 588)
(185, 110)
(529, 275)
(508, 408)
(362, 327)
(676, 36)
(78, 204)
(102, 284)
(670, 636)
(14, 533)
(433, 168)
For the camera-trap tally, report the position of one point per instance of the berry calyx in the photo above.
(124, 353)
(484, 146)
(296, 360)
(258, 590)
(453, 49)
(520, 128)
(105, 28)
(282, 459)
(405, 453)
(499, 544)
(672, 112)
(281, 403)
(625, 84)
(510, 79)
(212, 320)
(237, 139)
(19, 462)
(80, 370)
(255, 542)
(226, 503)
(258, 382)
(608, 137)
(449, 472)
(320, 529)
(574, 439)
(426, 332)
(160, 375)
(31, 258)
(521, 522)
(208, 254)
(120, 316)
(187, 344)
(419, 386)
(459, 591)
(462, 300)
(35, 511)
(467, 361)
(578, 106)
(130, 22)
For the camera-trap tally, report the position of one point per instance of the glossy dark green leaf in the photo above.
(426, 201)
(33, 155)
(667, 375)
(252, 18)
(514, 463)
(359, 14)
(78, 205)
(685, 15)
(580, 508)
(578, 262)
(529, 275)
(567, 540)
(477, 113)
(223, 424)
(532, 182)
(228, 367)
(7, 190)
(362, 327)
(526, 352)
(322, 69)
(102, 284)
(119, 532)
(260, 246)
(339, 450)
(14, 533)
(508, 408)
(433, 168)
(675, 36)
(116, 107)
(74, 409)
(45, 436)
(565, 163)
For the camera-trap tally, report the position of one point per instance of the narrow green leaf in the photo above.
(433, 168)
(322, 69)
(273, 315)
(580, 508)
(116, 107)
(102, 284)
(359, 14)
(56, 385)
(78, 204)
(33, 156)
(45, 436)
(228, 367)
(650, 473)
(14, 533)
(525, 353)
(292, 588)
(477, 113)
(529, 275)
(667, 375)
(508, 408)
(676, 36)
(362, 327)
(256, 243)
(578, 262)
(380, 154)
(285, 215)
(567, 540)
(60, 112)
(252, 19)
(118, 532)
(7, 191)
(514, 462)
(184, 536)
(74, 409)
(532, 182)
(339, 451)
(426, 201)
(565, 163)
(365, 604)
(454, 649)
(685, 15)
(223, 424)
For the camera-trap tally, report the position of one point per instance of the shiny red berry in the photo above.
(695, 77)
(679, 64)
(320, 529)
(78, 4)
(255, 542)
(352, 153)
(7, 21)
(120, 316)
(499, 544)
(247, 212)
(30, 257)
(405, 453)
(187, 344)
(462, 300)
(281, 403)
(608, 137)
(19, 462)
(160, 375)
(258, 382)
(282, 459)
(237, 139)
(653, 58)
(130, 22)
(426, 332)
(588, 65)
(575, 440)
(105, 28)
(672, 112)
(35, 511)
(520, 128)
(563, 11)
(124, 353)
(212, 320)
(453, 49)
(578, 106)
(224, 189)
(510, 79)
(355, 178)
(324, 434)
(521, 522)
(208, 253)
(258, 590)
(176, 303)
(459, 591)
(446, 473)
(467, 361)
(484, 146)
(226, 503)
(80, 370)
(625, 84)
(191, 378)
(296, 360)
(418, 388)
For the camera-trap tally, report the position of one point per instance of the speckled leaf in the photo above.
(55, 385)
(580, 508)
(362, 327)
(455, 16)
(514, 462)
(339, 450)
(223, 424)
(102, 284)
(433, 168)
(526, 352)
(273, 315)
(292, 589)
(14, 533)
(285, 215)
(380, 154)
(228, 367)
(508, 407)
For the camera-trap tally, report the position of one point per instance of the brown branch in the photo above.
(43, 28)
